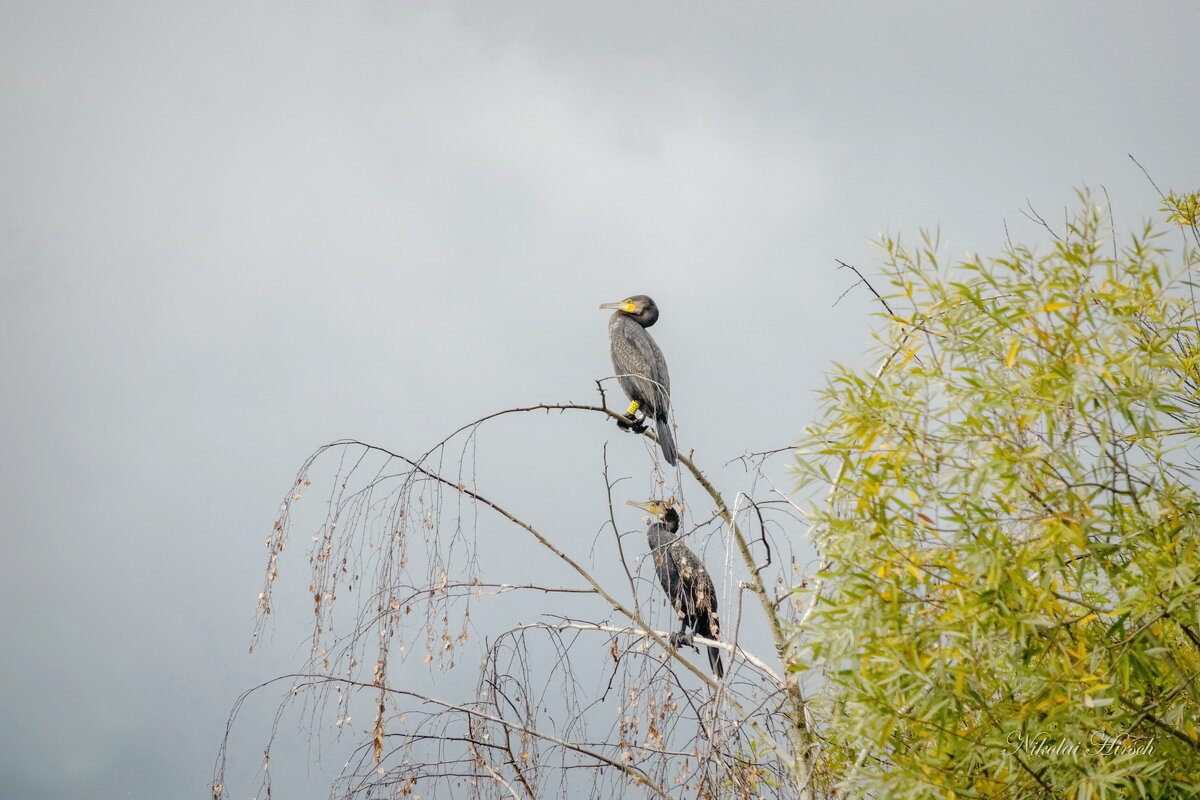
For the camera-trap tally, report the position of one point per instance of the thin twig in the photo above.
(863, 280)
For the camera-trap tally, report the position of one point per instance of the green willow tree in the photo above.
(1009, 605)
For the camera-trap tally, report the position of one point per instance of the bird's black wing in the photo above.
(695, 584)
(662, 403)
(635, 354)
(699, 600)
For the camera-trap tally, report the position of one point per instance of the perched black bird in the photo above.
(641, 368)
(687, 583)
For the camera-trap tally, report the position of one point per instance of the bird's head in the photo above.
(664, 510)
(639, 306)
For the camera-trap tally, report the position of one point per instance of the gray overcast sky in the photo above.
(233, 231)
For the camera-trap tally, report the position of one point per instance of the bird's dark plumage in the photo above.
(640, 366)
(687, 583)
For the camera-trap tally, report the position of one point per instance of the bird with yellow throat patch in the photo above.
(641, 368)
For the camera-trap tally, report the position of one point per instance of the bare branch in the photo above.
(862, 279)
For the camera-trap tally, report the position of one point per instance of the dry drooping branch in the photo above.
(400, 532)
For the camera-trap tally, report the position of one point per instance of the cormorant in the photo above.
(687, 583)
(641, 368)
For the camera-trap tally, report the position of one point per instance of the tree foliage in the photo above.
(1009, 605)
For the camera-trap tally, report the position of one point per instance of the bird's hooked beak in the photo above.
(655, 508)
(650, 507)
(624, 305)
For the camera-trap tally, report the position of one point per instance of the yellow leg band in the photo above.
(633, 407)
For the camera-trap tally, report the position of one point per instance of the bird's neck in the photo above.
(660, 536)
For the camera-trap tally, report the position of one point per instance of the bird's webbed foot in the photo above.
(680, 639)
(631, 423)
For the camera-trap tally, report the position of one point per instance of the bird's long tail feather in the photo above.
(708, 626)
(714, 661)
(665, 440)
